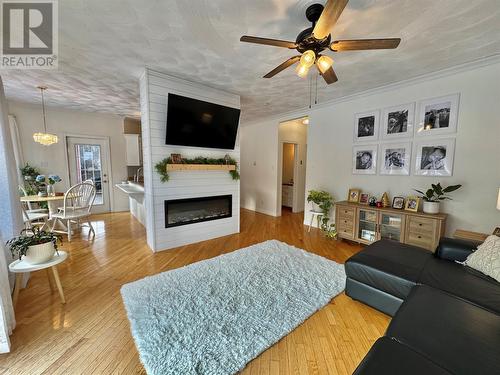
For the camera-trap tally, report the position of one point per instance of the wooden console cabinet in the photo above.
(366, 224)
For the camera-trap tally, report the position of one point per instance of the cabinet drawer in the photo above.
(346, 213)
(422, 225)
(345, 232)
(420, 240)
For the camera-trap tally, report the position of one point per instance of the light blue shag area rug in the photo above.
(214, 316)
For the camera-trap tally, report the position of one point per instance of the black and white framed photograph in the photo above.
(434, 157)
(364, 159)
(366, 126)
(397, 122)
(438, 116)
(395, 158)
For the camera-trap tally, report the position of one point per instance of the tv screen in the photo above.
(196, 123)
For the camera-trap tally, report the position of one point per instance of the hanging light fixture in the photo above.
(324, 63)
(44, 138)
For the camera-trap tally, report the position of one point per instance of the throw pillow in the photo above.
(486, 258)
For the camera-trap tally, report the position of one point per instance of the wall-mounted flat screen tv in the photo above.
(196, 123)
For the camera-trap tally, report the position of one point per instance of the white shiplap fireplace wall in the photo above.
(155, 88)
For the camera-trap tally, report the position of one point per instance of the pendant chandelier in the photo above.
(44, 138)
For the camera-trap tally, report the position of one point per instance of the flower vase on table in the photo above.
(53, 179)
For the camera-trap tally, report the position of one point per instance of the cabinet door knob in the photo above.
(420, 224)
(419, 236)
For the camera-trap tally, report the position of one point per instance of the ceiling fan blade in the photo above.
(329, 76)
(363, 44)
(283, 66)
(268, 42)
(329, 16)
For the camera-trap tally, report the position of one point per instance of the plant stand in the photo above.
(314, 214)
(19, 267)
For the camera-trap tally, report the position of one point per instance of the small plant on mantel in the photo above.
(324, 201)
(161, 166)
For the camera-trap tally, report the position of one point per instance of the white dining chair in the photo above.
(34, 219)
(31, 207)
(77, 206)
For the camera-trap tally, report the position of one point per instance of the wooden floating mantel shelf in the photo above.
(200, 167)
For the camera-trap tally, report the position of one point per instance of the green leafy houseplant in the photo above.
(19, 245)
(161, 166)
(324, 201)
(437, 193)
(29, 172)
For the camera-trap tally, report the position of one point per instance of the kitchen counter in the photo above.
(135, 191)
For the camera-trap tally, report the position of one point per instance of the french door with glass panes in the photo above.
(88, 160)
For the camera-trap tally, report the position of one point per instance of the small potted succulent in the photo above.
(433, 196)
(38, 247)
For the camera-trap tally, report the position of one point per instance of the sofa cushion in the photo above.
(388, 357)
(458, 336)
(463, 282)
(486, 258)
(389, 266)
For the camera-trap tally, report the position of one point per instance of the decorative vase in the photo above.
(431, 207)
(41, 253)
(51, 191)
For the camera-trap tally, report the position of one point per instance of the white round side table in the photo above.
(20, 266)
(317, 214)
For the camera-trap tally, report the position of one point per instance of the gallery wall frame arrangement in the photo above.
(366, 126)
(420, 133)
(395, 158)
(434, 157)
(437, 116)
(364, 159)
(397, 121)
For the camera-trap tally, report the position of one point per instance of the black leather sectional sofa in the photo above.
(446, 316)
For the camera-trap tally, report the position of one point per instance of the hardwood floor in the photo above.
(90, 334)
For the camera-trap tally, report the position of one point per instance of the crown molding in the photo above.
(468, 66)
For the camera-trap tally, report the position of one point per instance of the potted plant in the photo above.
(323, 202)
(433, 196)
(29, 173)
(35, 248)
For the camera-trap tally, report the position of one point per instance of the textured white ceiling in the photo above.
(105, 44)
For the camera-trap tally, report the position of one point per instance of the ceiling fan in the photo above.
(313, 41)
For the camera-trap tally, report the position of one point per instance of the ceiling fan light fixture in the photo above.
(302, 70)
(308, 58)
(324, 63)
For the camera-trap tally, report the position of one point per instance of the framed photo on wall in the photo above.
(397, 122)
(434, 157)
(395, 159)
(366, 126)
(437, 116)
(364, 159)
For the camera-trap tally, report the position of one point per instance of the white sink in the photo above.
(131, 189)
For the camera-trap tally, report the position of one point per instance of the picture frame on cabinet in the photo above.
(395, 159)
(398, 121)
(366, 126)
(434, 157)
(364, 159)
(437, 116)
(398, 203)
(363, 198)
(353, 195)
(412, 204)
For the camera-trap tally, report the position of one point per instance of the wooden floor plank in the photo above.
(90, 334)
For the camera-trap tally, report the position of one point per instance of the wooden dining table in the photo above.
(53, 202)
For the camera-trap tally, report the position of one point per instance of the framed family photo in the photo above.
(397, 122)
(353, 196)
(363, 198)
(412, 204)
(438, 116)
(364, 159)
(398, 203)
(395, 159)
(434, 157)
(366, 126)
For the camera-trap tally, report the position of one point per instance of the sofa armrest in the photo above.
(454, 249)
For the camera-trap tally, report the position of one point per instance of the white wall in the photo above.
(52, 159)
(155, 88)
(329, 157)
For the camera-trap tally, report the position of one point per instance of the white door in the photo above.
(88, 160)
